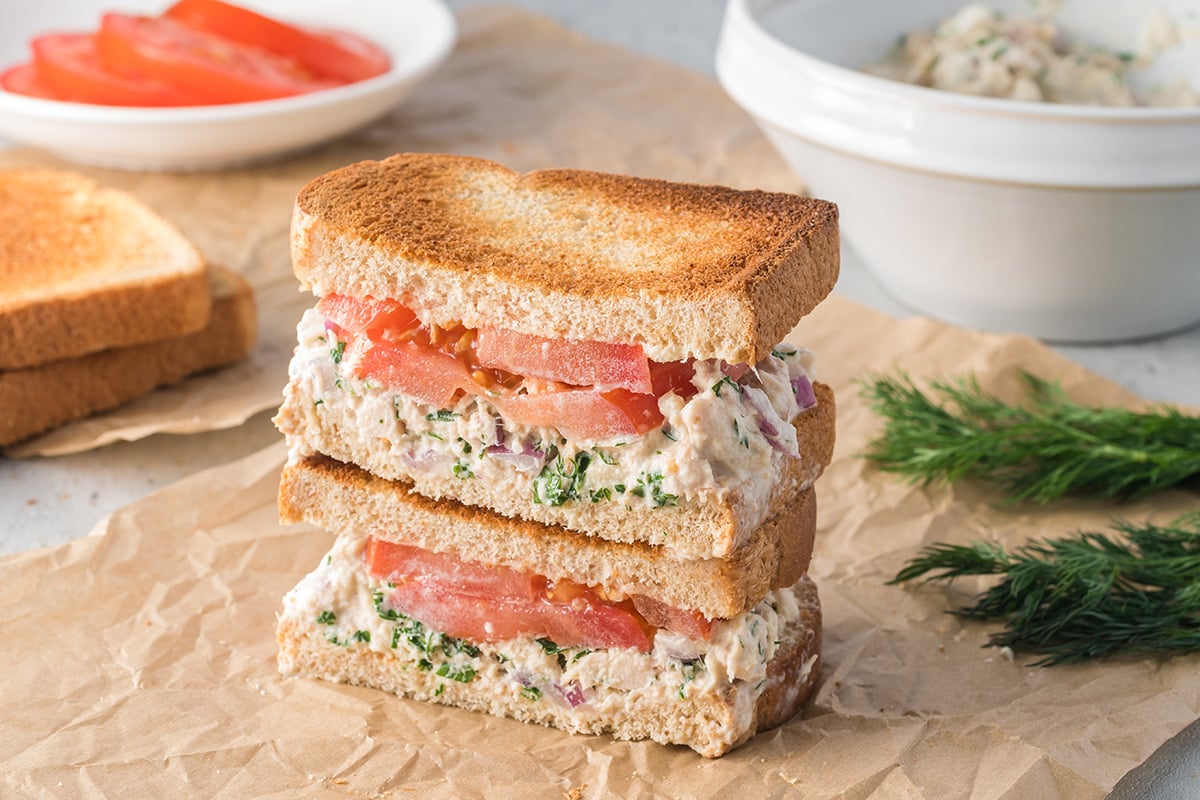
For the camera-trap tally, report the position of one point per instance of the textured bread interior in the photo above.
(36, 399)
(684, 270)
(705, 721)
(85, 268)
(707, 527)
(344, 499)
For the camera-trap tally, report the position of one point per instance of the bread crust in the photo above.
(708, 527)
(707, 722)
(685, 270)
(85, 268)
(344, 499)
(36, 399)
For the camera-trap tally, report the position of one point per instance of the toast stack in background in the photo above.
(567, 457)
(101, 301)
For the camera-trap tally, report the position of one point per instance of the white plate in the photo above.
(418, 34)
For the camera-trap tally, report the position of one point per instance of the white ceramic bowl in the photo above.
(1070, 223)
(418, 34)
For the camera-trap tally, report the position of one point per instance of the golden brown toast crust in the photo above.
(683, 269)
(85, 268)
(39, 398)
(344, 499)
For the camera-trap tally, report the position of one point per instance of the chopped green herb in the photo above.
(318, 402)
(462, 470)
(619, 488)
(389, 614)
(441, 687)
(326, 618)
(726, 381)
(465, 445)
(783, 352)
(560, 480)
(531, 693)
(337, 352)
(425, 665)
(669, 432)
(605, 457)
(999, 51)
(442, 415)
(460, 674)
(396, 632)
(362, 636)
(689, 670)
(649, 484)
(603, 493)
(434, 435)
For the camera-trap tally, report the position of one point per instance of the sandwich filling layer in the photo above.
(691, 432)
(350, 604)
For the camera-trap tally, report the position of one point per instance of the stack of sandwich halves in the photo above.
(567, 456)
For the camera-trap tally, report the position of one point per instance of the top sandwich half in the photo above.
(598, 352)
(684, 271)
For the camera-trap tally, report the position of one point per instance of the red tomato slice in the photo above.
(573, 361)
(339, 55)
(367, 317)
(481, 604)
(585, 413)
(24, 79)
(69, 65)
(214, 69)
(407, 367)
(673, 376)
(692, 624)
(400, 562)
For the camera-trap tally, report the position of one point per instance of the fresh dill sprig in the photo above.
(1041, 450)
(1086, 595)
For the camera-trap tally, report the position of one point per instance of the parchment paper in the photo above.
(139, 662)
(519, 89)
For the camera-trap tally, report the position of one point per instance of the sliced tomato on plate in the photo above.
(491, 604)
(584, 413)
(24, 79)
(673, 376)
(69, 65)
(338, 55)
(573, 361)
(215, 69)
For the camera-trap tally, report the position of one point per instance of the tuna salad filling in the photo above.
(353, 602)
(644, 434)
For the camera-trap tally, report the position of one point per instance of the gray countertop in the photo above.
(51, 501)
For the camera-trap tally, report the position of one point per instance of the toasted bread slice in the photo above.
(36, 399)
(344, 499)
(684, 270)
(753, 674)
(85, 268)
(709, 526)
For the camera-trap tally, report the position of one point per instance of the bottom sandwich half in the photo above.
(590, 671)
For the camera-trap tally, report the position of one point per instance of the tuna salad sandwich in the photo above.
(566, 453)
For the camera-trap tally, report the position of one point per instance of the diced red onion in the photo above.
(529, 460)
(524, 677)
(803, 389)
(759, 401)
(572, 693)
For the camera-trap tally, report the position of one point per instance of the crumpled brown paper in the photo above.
(140, 661)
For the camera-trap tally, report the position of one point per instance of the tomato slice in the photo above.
(585, 413)
(215, 69)
(24, 79)
(339, 55)
(690, 623)
(407, 367)
(367, 317)
(69, 65)
(573, 361)
(673, 376)
(491, 604)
